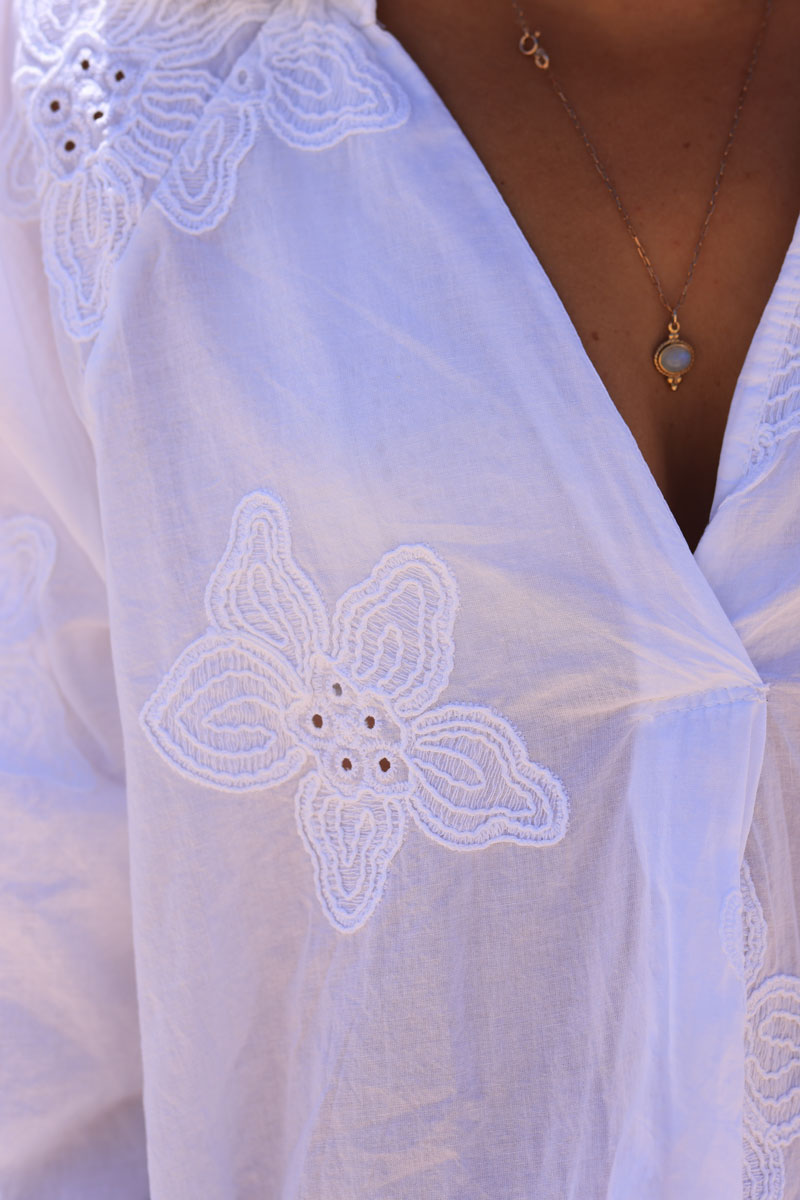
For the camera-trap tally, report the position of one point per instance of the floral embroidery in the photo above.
(772, 1058)
(743, 928)
(277, 689)
(115, 103)
(763, 1173)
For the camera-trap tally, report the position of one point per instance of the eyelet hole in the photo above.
(55, 105)
(346, 764)
(316, 721)
(70, 145)
(120, 75)
(85, 64)
(384, 764)
(369, 722)
(337, 689)
(98, 116)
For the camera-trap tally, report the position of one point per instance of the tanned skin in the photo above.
(656, 86)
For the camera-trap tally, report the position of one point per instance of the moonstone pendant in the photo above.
(674, 357)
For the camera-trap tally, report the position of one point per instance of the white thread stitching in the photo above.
(780, 415)
(263, 698)
(743, 929)
(114, 104)
(772, 1053)
(772, 1066)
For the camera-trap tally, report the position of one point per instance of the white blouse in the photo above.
(393, 807)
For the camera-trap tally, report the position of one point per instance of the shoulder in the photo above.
(117, 104)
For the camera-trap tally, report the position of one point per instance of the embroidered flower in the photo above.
(277, 689)
(772, 1061)
(772, 1056)
(743, 929)
(763, 1175)
(117, 103)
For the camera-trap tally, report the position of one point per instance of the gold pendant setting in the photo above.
(674, 357)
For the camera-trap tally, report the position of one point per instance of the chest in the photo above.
(660, 135)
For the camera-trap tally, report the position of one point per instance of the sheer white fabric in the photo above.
(390, 798)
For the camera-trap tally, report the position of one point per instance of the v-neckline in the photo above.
(757, 368)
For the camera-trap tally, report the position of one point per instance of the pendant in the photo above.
(674, 357)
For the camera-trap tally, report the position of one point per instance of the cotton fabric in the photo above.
(289, 405)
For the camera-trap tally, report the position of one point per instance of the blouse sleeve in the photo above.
(70, 1106)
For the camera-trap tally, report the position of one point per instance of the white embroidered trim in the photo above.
(772, 1056)
(277, 689)
(116, 102)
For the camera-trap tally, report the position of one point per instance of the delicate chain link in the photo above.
(530, 46)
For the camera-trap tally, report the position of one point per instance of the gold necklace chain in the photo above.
(675, 356)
